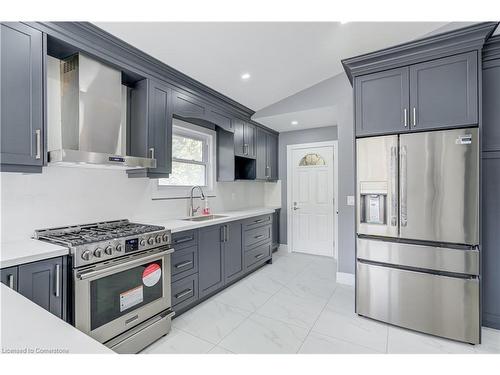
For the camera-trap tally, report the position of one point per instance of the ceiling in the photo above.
(281, 57)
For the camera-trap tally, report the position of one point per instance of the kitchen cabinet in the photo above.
(184, 293)
(210, 259)
(221, 119)
(276, 230)
(233, 252)
(266, 156)
(188, 106)
(8, 276)
(441, 93)
(22, 136)
(225, 155)
(382, 102)
(44, 283)
(151, 127)
(244, 139)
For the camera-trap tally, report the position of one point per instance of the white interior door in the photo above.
(312, 200)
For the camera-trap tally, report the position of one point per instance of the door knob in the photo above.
(296, 208)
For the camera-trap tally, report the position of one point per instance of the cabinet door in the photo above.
(272, 157)
(187, 106)
(8, 276)
(21, 96)
(210, 259)
(225, 155)
(42, 282)
(233, 252)
(239, 137)
(250, 140)
(382, 102)
(221, 119)
(276, 229)
(443, 92)
(261, 154)
(160, 128)
(491, 109)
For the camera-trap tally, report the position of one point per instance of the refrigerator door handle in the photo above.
(404, 186)
(394, 176)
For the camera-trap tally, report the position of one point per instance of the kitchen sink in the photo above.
(204, 218)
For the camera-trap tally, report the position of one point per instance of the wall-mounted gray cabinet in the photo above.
(151, 127)
(244, 139)
(22, 136)
(266, 155)
(441, 93)
(188, 106)
(43, 282)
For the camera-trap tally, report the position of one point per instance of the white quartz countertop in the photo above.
(29, 250)
(179, 225)
(27, 328)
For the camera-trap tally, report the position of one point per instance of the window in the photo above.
(193, 160)
(312, 159)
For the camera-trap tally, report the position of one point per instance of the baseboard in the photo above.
(283, 247)
(345, 278)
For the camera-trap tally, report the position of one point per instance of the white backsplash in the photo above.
(66, 196)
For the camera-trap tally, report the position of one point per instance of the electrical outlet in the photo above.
(350, 200)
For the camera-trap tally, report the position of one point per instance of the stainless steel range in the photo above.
(121, 281)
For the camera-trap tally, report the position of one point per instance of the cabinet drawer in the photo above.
(184, 239)
(9, 277)
(184, 262)
(257, 221)
(256, 235)
(257, 255)
(184, 292)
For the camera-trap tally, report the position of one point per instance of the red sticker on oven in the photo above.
(151, 275)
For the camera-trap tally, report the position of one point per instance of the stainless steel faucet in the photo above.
(193, 210)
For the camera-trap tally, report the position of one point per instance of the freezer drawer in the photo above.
(439, 305)
(419, 256)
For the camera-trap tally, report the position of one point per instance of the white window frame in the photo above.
(183, 128)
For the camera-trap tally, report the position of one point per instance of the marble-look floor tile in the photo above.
(264, 281)
(403, 341)
(244, 295)
(218, 350)
(259, 334)
(310, 284)
(178, 342)
(316, 343)
(293, 308)
(352, 328)
(211, 320)
(490, 342)
(342, 299)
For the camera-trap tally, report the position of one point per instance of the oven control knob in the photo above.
(165, 238)
(119, 247)
(158, 239)
(151, 240)
(86, 255)
(98, 252)
(143, 242)
(108, 250)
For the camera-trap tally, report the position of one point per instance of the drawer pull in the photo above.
(259, 256)
(259, 221)
(259, 236)
(183, 264)
(11, 281)
(184, 293)
(184, 239)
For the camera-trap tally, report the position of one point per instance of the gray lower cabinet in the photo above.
(382, 102)
(21, 98)
(276, 229)
(233, 252)
(8, 276)
(210, 258)
(184, 293)
(44, 283)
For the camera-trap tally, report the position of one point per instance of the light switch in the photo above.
(350, 200)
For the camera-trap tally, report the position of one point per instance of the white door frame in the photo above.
(289, 168)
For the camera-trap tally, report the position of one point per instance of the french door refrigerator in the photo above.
(417, 259)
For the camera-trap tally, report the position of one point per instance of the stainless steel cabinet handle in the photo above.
(152, 152)
(259, 236)
(223, 233)
(184, 293)
(406, 117)
(403, 187)
(259, 256)
(183, 239)
(245, 149)
(58, 280)
(414, 116)
(394, 177)
(184, 264)
(258, 221)
(11, 281)
(38, 136)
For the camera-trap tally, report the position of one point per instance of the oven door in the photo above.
(113, 297)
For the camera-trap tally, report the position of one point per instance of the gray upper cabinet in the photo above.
(272, 157)
(491, 109)
(188, 106)
(266, 155)
(233, 251)
(221, 119)
(382, 102)
(44, 283)
(444, 92)
(244, 139)
(21, 98)
(210, 259)
(225, 155)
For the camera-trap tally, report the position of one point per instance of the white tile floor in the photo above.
(295, 306)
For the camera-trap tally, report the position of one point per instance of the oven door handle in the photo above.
(124, 263)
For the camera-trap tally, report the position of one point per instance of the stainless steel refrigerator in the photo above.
(417, 258)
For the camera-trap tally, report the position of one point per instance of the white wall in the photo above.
(64, 196)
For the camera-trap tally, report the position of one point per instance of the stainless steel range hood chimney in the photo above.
(92, 128)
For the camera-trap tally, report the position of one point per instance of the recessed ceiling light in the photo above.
(245, 76)
(295, 122)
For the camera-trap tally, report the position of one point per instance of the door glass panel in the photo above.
(312, 159)
(120, 293)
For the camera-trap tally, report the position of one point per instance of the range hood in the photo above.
(92, 127)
